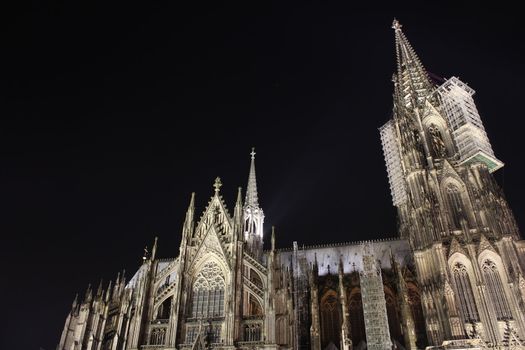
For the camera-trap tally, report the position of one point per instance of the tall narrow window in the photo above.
(208, 293)
(357, 321)
(464, 293)
(330, 319)
(255, 308)
(417, 314)
(496, 292)
(455, 203)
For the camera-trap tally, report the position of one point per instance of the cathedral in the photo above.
(452, 279)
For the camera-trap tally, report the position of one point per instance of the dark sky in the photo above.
(113, 114)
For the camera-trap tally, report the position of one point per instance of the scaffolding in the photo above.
(301, 305)
(374, 304)
(466, 125)
(394, 168)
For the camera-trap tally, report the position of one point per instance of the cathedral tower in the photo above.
(464, 239)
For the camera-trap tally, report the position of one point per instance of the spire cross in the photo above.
(253, 153)
(217, 185)
(396, 25)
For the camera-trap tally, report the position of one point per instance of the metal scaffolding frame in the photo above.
(394, 168)
(374, 304)
(466, 125)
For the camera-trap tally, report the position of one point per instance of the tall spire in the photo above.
(251, 190)
(188, 222)
(253, 215)
(415, 86)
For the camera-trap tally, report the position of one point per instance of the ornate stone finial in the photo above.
(253, 153)
(396, 25)
(217, 185)
(146, 252)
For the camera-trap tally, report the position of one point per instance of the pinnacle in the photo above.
(217, 185)
(251, 190)
(396, 25)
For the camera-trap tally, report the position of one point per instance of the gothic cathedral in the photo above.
(452, 279)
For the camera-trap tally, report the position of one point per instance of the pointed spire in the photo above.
(99, 289)
(239, 196)
(273, 238)
(146, 254)
(123, 280)
(108, 291)
(237, 215)
(89, 294)
(154, 250)
(75, 302)
(190, 213)
(251, 191)
(116, 288)
(237, 211)
(411, 75)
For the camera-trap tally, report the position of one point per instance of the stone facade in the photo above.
(454, 276)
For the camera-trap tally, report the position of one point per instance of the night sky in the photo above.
(113, 114)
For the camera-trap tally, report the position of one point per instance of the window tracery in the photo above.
(464, 293)
(495, 289)
(208, 292)
(157, 336)
(330, 319)
(252, 332)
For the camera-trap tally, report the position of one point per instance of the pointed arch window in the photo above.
(464, 293)
(208, 292)
(330, 319)
(495, 289)
(357, 321)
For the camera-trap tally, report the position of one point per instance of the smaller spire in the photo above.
(75, 302)
(145, 256)
(116, 288)
(238, 204)
(192, 202)
(108, 291)
(123, 279)
(273, 238)
(188, 222)
(89, 294)
(217, 185)
(154, 250)
(239, 196)
(99, 289)
(251, 190)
